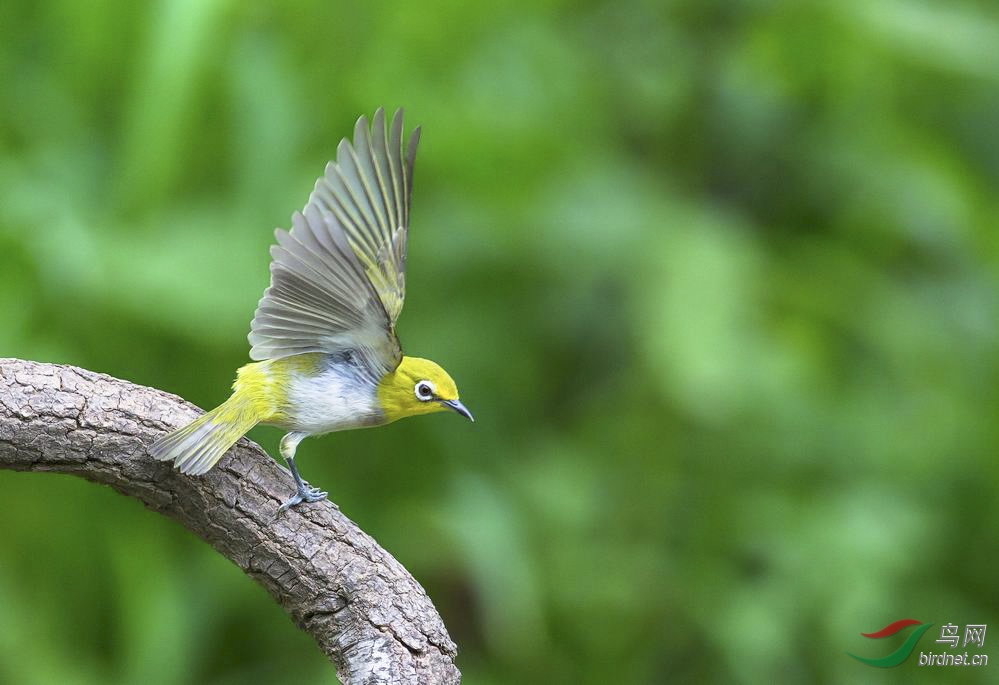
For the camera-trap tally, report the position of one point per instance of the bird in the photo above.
(324, 350)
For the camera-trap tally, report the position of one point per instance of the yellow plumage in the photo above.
(323, 334)
(268, 392)
(197, 447)
(396, 397)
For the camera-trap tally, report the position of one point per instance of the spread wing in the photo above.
(337, 278)
(367, 189)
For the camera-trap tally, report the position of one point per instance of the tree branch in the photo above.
(366, 612)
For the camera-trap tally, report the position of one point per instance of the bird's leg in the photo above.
(304, 492)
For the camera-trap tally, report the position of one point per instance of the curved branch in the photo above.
(366, 612)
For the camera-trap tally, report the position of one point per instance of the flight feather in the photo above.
(338, 277)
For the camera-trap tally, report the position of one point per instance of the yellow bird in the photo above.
(323, 335)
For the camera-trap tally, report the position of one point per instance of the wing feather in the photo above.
(368, 189)
(393, 153)
(347, 168)
(370, 179)
(338, 276)
(320, 299)
(378, 140)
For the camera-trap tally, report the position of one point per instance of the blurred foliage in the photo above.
(718, 279)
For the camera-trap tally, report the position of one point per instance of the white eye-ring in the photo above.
(424, 391)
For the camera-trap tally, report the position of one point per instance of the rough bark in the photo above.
(366, 612)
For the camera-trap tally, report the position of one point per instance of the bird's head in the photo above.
(418, 386)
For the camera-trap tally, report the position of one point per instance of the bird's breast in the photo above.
(330, 397)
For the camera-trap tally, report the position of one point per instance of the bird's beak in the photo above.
(458, 407)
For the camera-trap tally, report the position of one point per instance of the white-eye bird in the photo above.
(326, 356)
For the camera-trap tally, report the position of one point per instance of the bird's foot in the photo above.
(306, 494)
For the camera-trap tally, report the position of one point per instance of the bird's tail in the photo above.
(197, 447)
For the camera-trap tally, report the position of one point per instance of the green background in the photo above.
(720, 281)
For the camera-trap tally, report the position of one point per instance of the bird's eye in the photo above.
(424, 390)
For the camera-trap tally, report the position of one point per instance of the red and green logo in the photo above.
(903, 652)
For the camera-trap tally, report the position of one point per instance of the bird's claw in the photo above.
(305, 494)
(314, 494)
